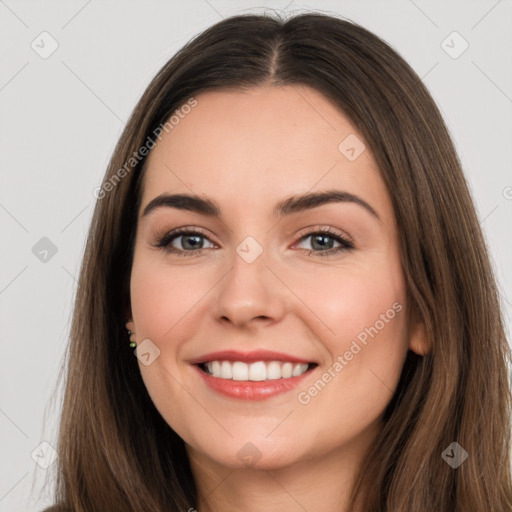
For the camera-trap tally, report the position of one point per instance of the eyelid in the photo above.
(183, 230)
(164, 240)
(322, 228)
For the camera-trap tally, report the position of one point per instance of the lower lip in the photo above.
(251, 390)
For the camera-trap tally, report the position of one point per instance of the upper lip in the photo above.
(248, 357)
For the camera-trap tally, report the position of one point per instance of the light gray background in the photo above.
(61, 116)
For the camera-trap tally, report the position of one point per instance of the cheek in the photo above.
(357, 303)
(162, 297)
(362, 309)
(162, 302)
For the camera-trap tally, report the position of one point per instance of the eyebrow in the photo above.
(294, 204)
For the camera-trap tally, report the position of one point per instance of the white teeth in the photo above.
(287, 370)
(273, 370)
(240, 371)
(257, 371)
(299, 369)
(226, 370)
(216, 367)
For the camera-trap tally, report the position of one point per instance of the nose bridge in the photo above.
(249, 289)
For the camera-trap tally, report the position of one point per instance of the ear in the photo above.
(130, 324)
(418, 342)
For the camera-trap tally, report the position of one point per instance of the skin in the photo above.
(247, 151)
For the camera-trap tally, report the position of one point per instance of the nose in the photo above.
(250, 294)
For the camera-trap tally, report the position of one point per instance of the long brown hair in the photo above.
(117, 454)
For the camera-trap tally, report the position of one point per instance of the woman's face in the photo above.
(260, 281)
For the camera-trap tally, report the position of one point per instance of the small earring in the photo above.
(132, 342)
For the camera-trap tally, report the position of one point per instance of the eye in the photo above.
(323, 241)
(192, 241)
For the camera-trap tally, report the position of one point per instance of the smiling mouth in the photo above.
(257, 371)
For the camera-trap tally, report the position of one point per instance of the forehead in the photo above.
(260, 145)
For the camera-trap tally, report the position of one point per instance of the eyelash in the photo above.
(164, 242)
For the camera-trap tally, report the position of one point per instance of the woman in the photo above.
(335, 341)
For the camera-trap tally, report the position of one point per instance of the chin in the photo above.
(259, 454)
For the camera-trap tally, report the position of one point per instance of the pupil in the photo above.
(197, 243)
(318, 239)
(321, 239)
